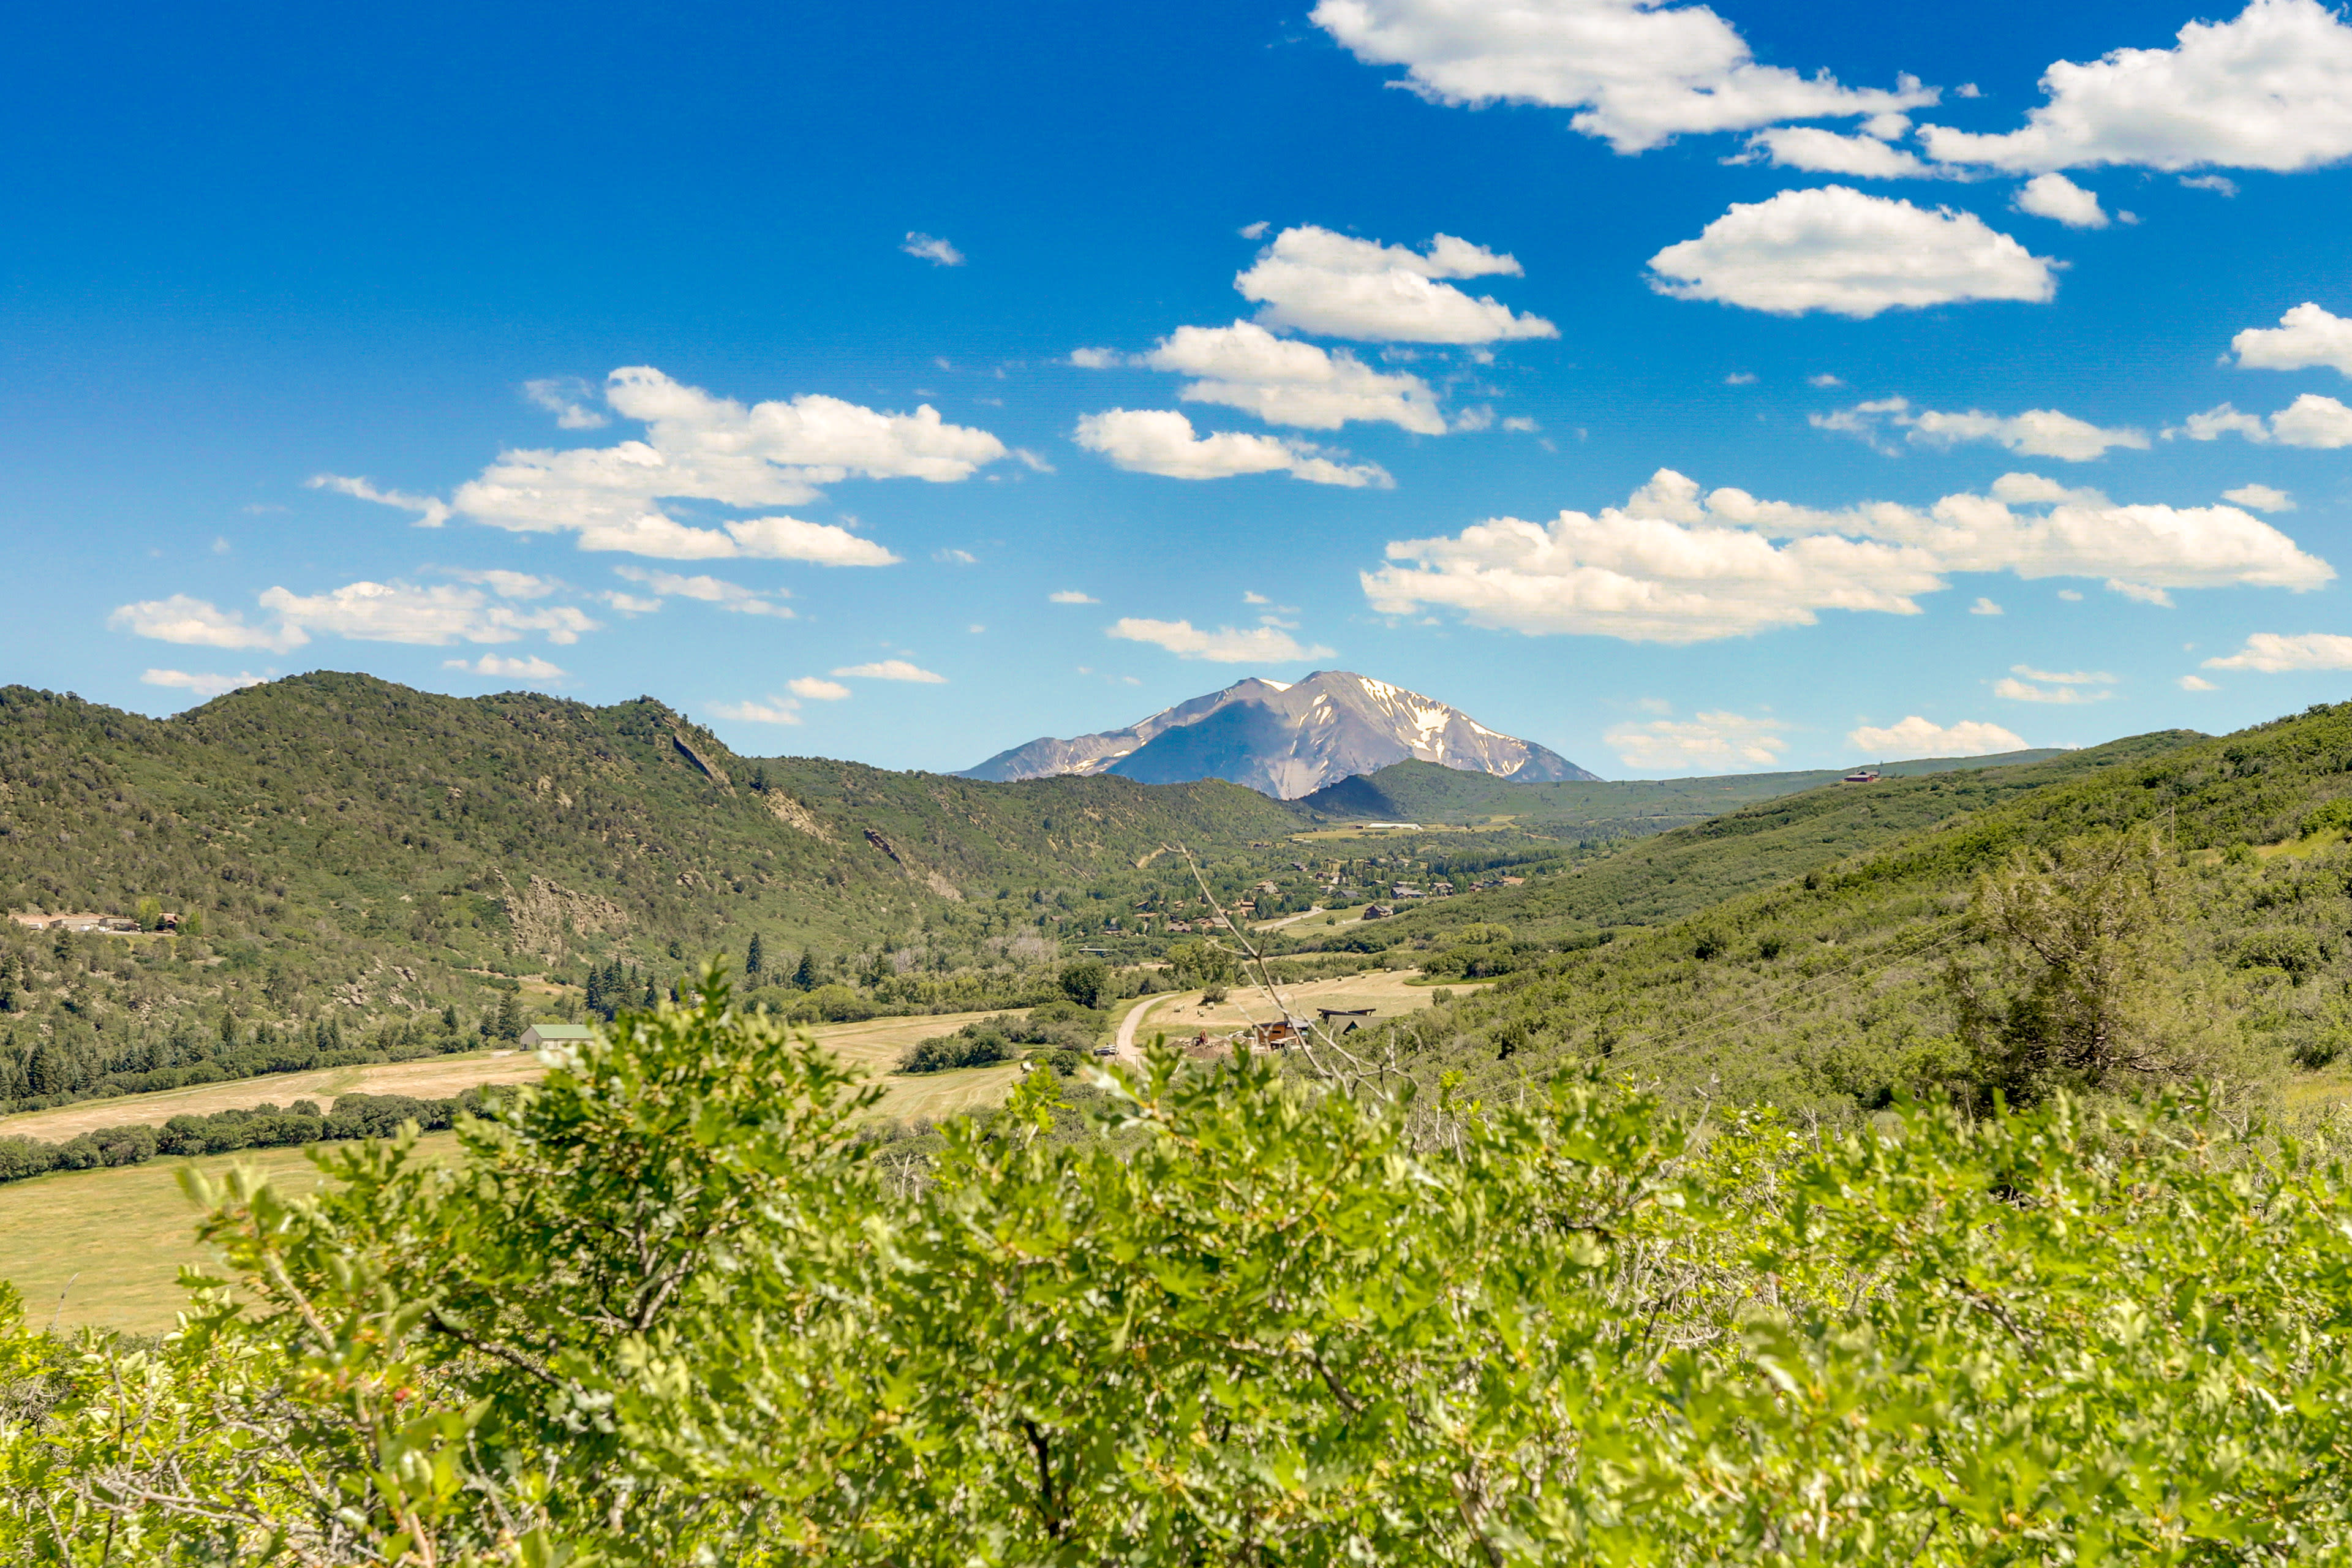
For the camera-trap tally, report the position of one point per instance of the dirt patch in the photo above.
(545, 917)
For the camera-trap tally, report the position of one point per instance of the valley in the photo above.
(333, 872)
(1530, 998)
(350, 888)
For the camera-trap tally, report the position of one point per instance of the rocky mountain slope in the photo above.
(1288, 739)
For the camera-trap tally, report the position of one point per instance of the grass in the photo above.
(103, 1249)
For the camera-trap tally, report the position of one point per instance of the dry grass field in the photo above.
(435, 1077)
(111, 1243)
(1184, 1015)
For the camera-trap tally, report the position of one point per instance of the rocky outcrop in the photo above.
(546, 918)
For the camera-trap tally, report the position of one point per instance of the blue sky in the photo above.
(1684, 389)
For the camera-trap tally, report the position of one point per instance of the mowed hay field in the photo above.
(1184, 1015)
(433, 1077)
(112, 1242)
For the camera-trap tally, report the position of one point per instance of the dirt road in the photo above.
(1126, 1049)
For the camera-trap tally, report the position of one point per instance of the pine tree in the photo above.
(754, 959)
(595, 989)
(510, 1023)
(806, 976)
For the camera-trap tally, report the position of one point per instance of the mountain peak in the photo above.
(1288, 739)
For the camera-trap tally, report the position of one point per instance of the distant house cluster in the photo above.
(167, 921)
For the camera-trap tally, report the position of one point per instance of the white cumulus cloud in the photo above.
(1162, 441)
(1809, 147)
(1834, 248)
(435, 616)
(931, 249)
(198, 623)
(707, 590)
(2036, 433)
(1285, 382)
(1675, 565)
(1270, 645)
(700, 447)
(893, 670)
(431, 511)
(2053, 196)
(2054, 686)
(759, 710)
(365, 612)
(2260, 498)
(510, 585)
(2306, 336)
(201, 685)
(1070, 597)
(1638, 72)
(1313, 281)
(499, 666)
(816, 688)
(2197, 683)
(2273, 655)
(1718, 741)
(566, 398)
(2310, 420)
(1916, 737)
(2270, 89)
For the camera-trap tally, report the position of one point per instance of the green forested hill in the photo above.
(1838, 985)
(359, 851)
(1430, 793)
(378, 810)
(1674, 873)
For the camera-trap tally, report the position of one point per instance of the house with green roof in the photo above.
(542, 1035)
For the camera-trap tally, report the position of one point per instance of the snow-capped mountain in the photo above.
(1287, 740)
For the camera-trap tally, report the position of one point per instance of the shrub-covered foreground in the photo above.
(665, 1308)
